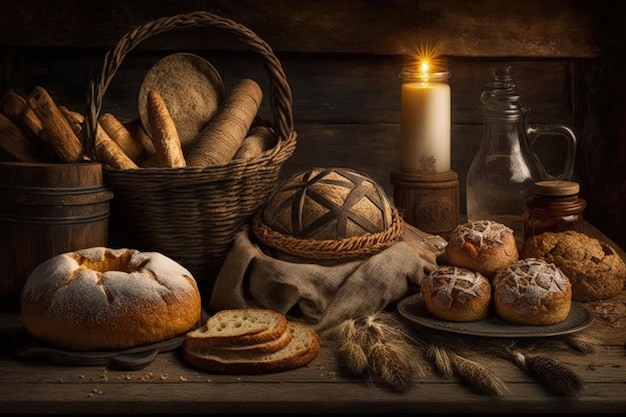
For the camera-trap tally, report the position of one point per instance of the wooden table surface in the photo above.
(168, 385)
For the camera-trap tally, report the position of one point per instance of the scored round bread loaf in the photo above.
(594, 268)
(532, 291)
(302, 348)
(456, 294)
(328, 213)
(328, 204)
(106, 299)
(483, 245)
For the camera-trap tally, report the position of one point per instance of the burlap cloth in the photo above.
(350, 304)
(320, 293)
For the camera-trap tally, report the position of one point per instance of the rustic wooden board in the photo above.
(342, 60)
(351, 88)
(478, 28)
(169, 385)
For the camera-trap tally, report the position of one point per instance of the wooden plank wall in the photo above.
(342, 59)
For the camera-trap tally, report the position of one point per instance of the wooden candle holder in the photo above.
(429, 202)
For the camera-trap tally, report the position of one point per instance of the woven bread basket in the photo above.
(328, 214)
(192, 214)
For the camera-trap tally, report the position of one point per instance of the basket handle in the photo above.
(280, 92)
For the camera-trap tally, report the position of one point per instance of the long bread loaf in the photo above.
(164, 135)
(222, 136)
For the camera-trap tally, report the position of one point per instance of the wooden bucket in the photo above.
(46, 210)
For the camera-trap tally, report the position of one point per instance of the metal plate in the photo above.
(128, 359)
(414, 309)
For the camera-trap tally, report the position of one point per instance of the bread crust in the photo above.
(594, 269)
(105, 299)
(532, 291)
(237, 327)
(302, 349)
(483, 245)
(456, 294)
(164, 134)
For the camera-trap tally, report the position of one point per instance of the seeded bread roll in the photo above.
(106, 299)
(533, 292)
(483, 245)
(593, 267)
(456, 294)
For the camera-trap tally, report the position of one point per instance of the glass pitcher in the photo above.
(506, 166)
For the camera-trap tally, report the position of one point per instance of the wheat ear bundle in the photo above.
(378, 347)
(473, 374)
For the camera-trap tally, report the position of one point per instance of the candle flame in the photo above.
(426, 58)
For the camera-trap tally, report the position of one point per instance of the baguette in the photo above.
(74, 118)
(222, 136)
(65, 142)
(136, 130)
(164, 134)
(15, 142)
(260, 139)
(108, 152)
(16, 108)
(301, 350)
(131, 146)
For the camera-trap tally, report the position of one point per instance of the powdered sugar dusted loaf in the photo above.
(532, 291)
(483, 245)
(456, 294)
(101, 298)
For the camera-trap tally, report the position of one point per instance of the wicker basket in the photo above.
(192, 214)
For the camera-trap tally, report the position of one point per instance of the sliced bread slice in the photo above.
(236, 327)
(263, 347)
(301, 350)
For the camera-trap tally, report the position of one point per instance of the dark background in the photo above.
(342, 59)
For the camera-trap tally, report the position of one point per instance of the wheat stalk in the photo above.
(557, 377)
(378, 346)
(477, 376)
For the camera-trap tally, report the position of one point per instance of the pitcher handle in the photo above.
(560, 130)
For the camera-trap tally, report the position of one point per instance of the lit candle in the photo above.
(425, 125)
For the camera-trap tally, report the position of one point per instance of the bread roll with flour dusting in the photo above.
(532, 291)
(456, 294)
(483, 245)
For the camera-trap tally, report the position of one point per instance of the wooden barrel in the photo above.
(46, 210)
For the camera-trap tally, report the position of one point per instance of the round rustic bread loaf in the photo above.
(532, 291)
(105, 299)
(483, 245)
(456, 294)
(594, 268)
(328, 212)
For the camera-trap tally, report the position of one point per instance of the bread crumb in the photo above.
(94, 391)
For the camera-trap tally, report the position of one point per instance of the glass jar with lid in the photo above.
(554, 206)
(503, 171)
